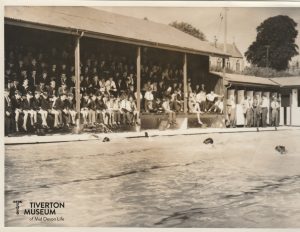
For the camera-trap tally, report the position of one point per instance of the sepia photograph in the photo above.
(155, 116)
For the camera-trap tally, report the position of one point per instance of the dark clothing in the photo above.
(264, 116)
(92, 105)
(28, 104)
(41, 89)
(8, 118)
(52, 91)
(45, 104)
(100, 105)
(59, 104)
(71, 104)
(8, 105)
(45, 80)
(37, 102)
(13, 89)
(83, 103)
(16, 103)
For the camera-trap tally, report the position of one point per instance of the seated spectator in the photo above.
(17, 107)
(117, 110)
(28, 110)
(92, 109)
(100, 109)
(84, 108)
(45, 109)
(134, 111)
(41, 87)
(210, 99)
(192, 101)
(111, 86)
(59, 110)
(8, 112)
(148, 100)
(171, 113)
(126, 109)
(63, 89)
(71, 106)
(201, 100)
(110, 111)
(52, 89)
(25, 87)
(217, 107)
(157, 105)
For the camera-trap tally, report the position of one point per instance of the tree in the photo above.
(189, 29)
(278, 34)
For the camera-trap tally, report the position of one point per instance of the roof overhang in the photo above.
(66, 25)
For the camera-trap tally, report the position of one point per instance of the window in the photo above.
(228, 64)
(238, 67)
(219, 63)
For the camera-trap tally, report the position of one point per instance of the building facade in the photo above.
(235, 63)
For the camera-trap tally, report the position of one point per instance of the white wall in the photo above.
(295, 110)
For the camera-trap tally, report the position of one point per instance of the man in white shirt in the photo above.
(148, 100)
(210, 98)
(275, 107)
(126, 110)
(110, 86)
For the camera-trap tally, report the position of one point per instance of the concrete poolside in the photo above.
(55, 138)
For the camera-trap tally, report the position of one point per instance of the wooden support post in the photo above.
(224, 67)
(138, 81)
(185, 90)
(77, 83)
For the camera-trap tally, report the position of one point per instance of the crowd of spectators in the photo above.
(41, 84)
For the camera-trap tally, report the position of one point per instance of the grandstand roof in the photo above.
(106, 25)
(248, 80)
(287, 81)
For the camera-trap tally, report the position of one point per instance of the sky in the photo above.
(241, 26)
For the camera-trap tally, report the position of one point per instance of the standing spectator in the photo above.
(256, 111)
(264, 110)
(275, 107)
(231, 111)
